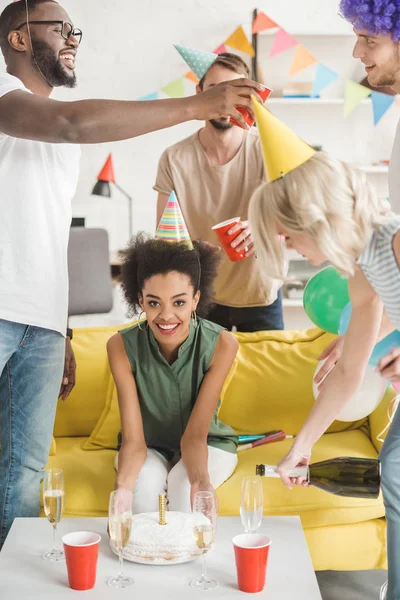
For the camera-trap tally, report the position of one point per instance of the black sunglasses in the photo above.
(67, 30)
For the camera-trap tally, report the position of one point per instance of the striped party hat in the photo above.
(197, 60)
(172, 226)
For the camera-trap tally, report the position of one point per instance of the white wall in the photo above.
(127, 52)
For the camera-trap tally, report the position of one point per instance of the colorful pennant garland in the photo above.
(262, 22)
(353, 96)
(302, 60)
(381, 104)
(239, 41)
(283, 41)
(199, 62)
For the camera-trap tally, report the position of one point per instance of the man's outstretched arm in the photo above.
(29, 116)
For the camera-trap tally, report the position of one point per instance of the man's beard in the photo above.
(45, 61)
(391, 77)
(221, 124)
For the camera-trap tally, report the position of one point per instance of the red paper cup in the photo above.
(226, 240)
(251, 554)
(81, 552)
(264, 94)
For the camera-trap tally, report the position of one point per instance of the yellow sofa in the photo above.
(269, 387)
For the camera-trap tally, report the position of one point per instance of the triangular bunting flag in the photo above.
(380, 104)
(192, 77)
(172, 226)
(283, 150)
(323, 78)
(220, 49)
(263, 22)
(302, 60)
(175, 89)
(152, 96)
(198, 61)
(239, 40)
(107, 172)
(353, 96)
(283, 41)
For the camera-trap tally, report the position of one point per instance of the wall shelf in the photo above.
(292, 302)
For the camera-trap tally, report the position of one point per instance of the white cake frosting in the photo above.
(152, 542)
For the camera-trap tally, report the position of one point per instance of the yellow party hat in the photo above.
(172, 226)
(283, 150)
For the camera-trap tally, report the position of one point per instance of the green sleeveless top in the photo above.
(167, 393)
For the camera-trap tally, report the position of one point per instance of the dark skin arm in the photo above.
(34, 117)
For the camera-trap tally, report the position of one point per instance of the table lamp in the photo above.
(103, 187)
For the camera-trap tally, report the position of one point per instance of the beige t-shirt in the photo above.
(210, 194)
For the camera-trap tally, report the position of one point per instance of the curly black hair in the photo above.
(147, 256)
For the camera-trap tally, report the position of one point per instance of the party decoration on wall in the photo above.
(354, 95)
(175, 89)
(238, 40)
(282, 149)
(153, 96)
(323, 78)
(302, 59)
(325, 296)
(381, 104)
(222, 48)
(192, 77)
(262, 22)
(283, 41)
(198, 61)
(172, 226)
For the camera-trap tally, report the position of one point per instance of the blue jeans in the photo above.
(390, 459)
(250, 319)
(31, 369)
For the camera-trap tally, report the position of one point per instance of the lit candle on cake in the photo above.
(162, 508)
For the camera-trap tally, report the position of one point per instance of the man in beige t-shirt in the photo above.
(214, 174)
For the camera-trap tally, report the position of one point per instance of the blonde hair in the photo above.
(325, 199)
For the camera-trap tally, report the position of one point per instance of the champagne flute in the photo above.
(205, 513)
(251, 503)
(53, 504)
(120, 525)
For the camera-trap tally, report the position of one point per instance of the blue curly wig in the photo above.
(378, 17)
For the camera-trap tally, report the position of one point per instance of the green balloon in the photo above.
(325, 296)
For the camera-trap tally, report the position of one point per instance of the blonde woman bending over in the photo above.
(327, 211)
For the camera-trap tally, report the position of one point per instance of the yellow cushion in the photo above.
(105, 434)
(315, 507)
(353, 547)
(89, 477)
(53, 447)
(78, 415)
(270, 384)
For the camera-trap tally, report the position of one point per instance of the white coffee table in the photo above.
(25, 575)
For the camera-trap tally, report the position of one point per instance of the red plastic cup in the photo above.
(81, 552)
(226, 240)
(264, 94)
(251, 554)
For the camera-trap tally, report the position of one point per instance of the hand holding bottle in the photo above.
(292, 460)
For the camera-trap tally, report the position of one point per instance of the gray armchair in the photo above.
(90, 282)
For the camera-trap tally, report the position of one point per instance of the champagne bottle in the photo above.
(344, 476)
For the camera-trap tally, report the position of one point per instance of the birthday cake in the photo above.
(152, 543)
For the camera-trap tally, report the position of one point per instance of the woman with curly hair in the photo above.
(169, 371)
